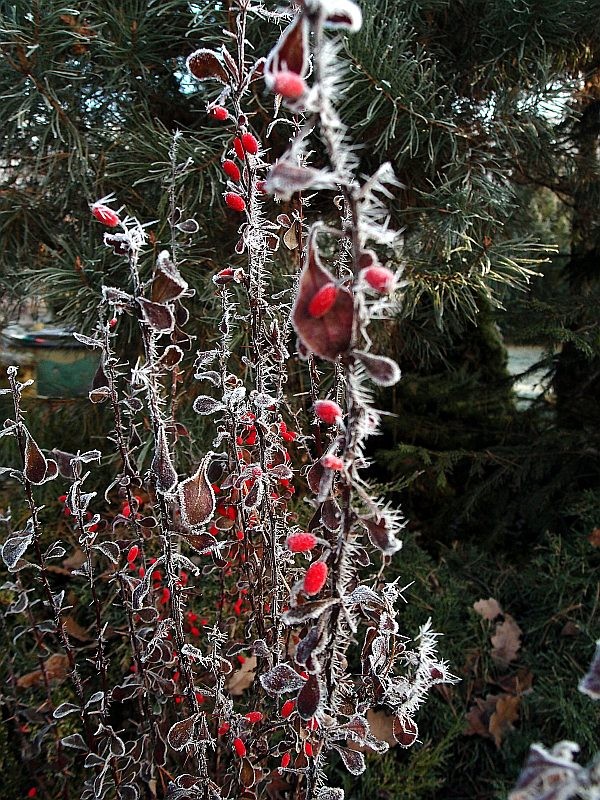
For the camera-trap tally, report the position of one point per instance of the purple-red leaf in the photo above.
(381, 369)
(181, 733)
(205, 64)
(167, 284)
(197, 497)
(36, 466)
(162, 464)
(329, 335)
(381, 536)
(290, 54)
(309, 698)
(405, 731)
(159, 317)
(281, 679)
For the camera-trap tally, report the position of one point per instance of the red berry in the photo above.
(315, 577)
(165, 595)
(32, 792)
(323, 300)
(62, 498)
(239, 148)
(250, 144)
(328, 411)
(112, 323)
(200, 697)
(308, 749)
(332, 462)
(239, 535)
(379, 278)
(223, 728)
(301, 542)
(223, 277)
(133, 554)
(105, 215)
(231, 169)
(253, 717)
(220, 113)
(141, 572)
(195, 631)
(235, 201)
(287, 708)
(285, 760)
(290, 85)
(240, 747)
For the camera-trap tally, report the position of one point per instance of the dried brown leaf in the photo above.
(243, 678)
(505, 713)
(55, 666)
(489, 609)
(506, 642)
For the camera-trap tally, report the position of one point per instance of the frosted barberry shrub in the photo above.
(278, 521)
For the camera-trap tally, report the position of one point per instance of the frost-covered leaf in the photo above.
(162, 464)
(206, 64)
(36, 466)
(381, 369)
(207, 405)
(14, 548)
(381, 536)
(590, 683)
(171, 357)
(353, 760)
(281, 680)
(285, 179)
(75, 740)
(157, 316)
(341, 14)
(188, 226)
(309, 698)
(167, 283)
(64, 709)
(109, 549)
(405, 731)
(181, 733)
(312, 610)
(197, 497)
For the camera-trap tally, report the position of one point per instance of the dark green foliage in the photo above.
(543, 588)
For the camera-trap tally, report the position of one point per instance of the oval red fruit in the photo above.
(301, 542)
(253, 717)
(231, 169)
(240, 747)
(381, 279)
(315, 577)
(285, 760)
(223, 277)
(328, 411)
(223, 728)
(220, 113)
(234, 201)
(330, 461)
(308, 749)
(323, 300)
(250, 143)
(287, 708)
(239, 148)
(289, 85)
(105, 215)
(133, 554)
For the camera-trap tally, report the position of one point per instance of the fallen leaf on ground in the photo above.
(75, 630)
(594, 537)
(489, 609)
(506, 642)
(501, 721)
(243, 678)
(493, 717)
(55, 666)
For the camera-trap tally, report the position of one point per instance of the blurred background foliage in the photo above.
(489, 111)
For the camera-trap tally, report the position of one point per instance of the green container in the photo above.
(60, 366)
